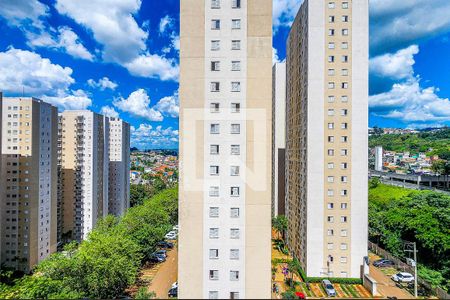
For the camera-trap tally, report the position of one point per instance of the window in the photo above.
(214, 274)
(330, 219)
(330, 232)
(234, 212)
(343, 246)
(215, 107)
(234, 254)
(215, 3)
(236, 4)
(331, 72)
(234, 295)
(330, 246)
(234, 191)
(331, 46)
(330, 152)
(236, 86)
(215, 86)
(215, 129)
(214, 233)
(213, 253)
(331, 5)
(236, 24)
(343, 205)
(214, 191)
(344, 45)
(344, 32)
(234, 233)
(215, 45)
(235, 65)
(331, 32)
(344, 152)
(343, 219)
(330, 205)
(344, 166)
(330, 193)
(331, 139)
(235, 107)
(330, 179)
(343, 259)
(331, 19)
(331, 85)
(345, 58)
(344, 232)
(215, 24)
(344, 19)
(344, 179)
(330, 165)
(344, 5)
(213, 212)
(234, 275)
(330, 125)
(331, 99)
(215, 66)
(344, 72)
(344, 99)
(344, 126)
(236, 45)
(235, 128)
(214, 149)
(235, 149)
(331, 112)
(344, 85)
(234, 171)
(331, 59)
(214, 170)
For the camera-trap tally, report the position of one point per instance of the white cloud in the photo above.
(175, 41)
(23, 12)
(65, 39)
(408, 102)
(165, 23)
(77, 100)
(109, 112)
(102, 84)
(284, 12)
(396, 66)
(138, 105)
(24, 70)
(153, 66)
(397, 24)
(275, 58)
(169, 106)
(145, 136)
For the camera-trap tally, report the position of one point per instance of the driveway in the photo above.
(386, 287)
(166, 275)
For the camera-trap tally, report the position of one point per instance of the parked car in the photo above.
(161, 253)
(383, 263)
(172, 235)
(173, 292)
(176, 228)
(329, 288)
(165, 245)
(403, 277)
(157, 258)
(175, 284)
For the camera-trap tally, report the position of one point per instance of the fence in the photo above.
(440, 293)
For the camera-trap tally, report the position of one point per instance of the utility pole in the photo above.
(411, 247)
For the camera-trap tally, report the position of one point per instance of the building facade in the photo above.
(225, 149)
(278, 138)
(119, 167)
(379, 158)
(84, 170)
(327, 139)
(29, 182)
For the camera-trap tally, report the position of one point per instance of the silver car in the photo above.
(329, 289)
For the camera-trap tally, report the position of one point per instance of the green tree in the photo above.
(143, 293)
(280, 224)
(138, 193)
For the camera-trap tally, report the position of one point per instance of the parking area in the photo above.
(165, 275)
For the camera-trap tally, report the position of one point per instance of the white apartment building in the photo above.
(28, 180)
(119, 167)
(278, 138)
(84, 168)
(327, 139)
(225, 149)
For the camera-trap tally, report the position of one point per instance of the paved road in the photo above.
(166, 275)
(386, 287)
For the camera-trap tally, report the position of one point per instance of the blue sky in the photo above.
(120, 57)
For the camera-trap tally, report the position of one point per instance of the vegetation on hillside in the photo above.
(432, 143)
(105, 264)
(397, 214)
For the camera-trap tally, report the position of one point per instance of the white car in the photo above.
(171, 235)
(403, 277)
(176, 228)
(175, 285)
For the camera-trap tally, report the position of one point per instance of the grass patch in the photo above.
(383, 193)
(353, 291)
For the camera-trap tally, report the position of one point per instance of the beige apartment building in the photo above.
(119, 167)
(84, 170)
(278, 138)
(225, 149)
(28, 180)
(327, 139)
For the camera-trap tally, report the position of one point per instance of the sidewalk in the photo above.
(386, 287)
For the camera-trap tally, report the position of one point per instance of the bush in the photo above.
(335, 280)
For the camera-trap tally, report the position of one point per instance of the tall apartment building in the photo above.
(327, 140)
(225, 149)
(119, 167)
(29, 182)
(84, 169)
(278, 138)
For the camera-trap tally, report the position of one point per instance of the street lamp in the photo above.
(411, 247)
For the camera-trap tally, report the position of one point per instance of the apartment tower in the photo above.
(29, 182)
(119, 167)
(327, 139)
(84, 168)
(225, 149)
(278, 138)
